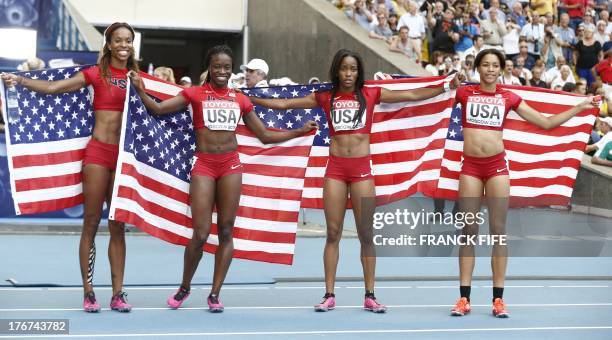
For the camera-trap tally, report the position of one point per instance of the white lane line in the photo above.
(583, 286)
(437, 287)
(518, 305)
(359, 331)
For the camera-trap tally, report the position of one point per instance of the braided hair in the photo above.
(335, 79)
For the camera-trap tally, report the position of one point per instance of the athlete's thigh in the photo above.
(335, 196)
(202, 199)
(227, 197)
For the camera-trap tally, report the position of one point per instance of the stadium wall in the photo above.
(298, 39)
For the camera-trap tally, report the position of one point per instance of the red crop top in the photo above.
(216, 109)
(110, 94)
(485, 110)
(346, 106)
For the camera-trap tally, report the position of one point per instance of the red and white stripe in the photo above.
(266, 222)
(543, 164)
(406, 143)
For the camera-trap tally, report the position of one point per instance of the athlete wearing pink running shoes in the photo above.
(349, 108)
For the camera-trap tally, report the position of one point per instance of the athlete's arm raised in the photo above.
(173, 104)
(268, 136)
(546, 123)
(48, 87)
(389, 96)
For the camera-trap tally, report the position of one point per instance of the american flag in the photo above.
(46, 143)
(417, 147)
(407, 142)
(543, 164)
(152, 182)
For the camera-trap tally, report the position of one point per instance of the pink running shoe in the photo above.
(176, 300)
(90, 305)
(119, 303)
(328, 303)
(370, 304)
(462, 307)
(214, 304)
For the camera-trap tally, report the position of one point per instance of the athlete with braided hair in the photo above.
(216, 178)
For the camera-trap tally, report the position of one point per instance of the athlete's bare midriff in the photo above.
(107, 128)
(212, 141)
(350, 145)
(482, 143)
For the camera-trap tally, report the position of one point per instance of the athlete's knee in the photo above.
(225, 232)
(116, 229)
(200, 235)
(334, 234)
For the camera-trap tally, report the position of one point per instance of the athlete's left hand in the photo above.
(590, 102)
(309, 126)
(456, 82)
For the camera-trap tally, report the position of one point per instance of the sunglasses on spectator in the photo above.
(456, 59)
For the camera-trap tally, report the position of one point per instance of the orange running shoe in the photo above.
(461, 308)
(499, 309)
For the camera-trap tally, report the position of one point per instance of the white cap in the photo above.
(185, 79)
(607, 120)
(256, 64)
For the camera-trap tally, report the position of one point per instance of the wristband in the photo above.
(447, 87)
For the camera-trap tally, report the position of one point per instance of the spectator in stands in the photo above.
(575, 10)
(256, 73)
(186, 81)
(381, 30)
(444, 32)
(587, 54)
(494, 7)
(360, 14)
(518, 15)
(580, 88)
(600, 33)
(603, 147)
(554, 72)
(469, 71)
(551, 48)
(477, 46)
(510, 41)
(493, 29)
(543, 6)
(528, 60)
(164, 73)
(237, 81)
(588, 21)
(569, 87)
(533, 33)
(427, 4)
(605, 16)
(416, 27)
(402, 44)
(467, 31)
(566, 35)
(563, 78)
(603, 70)
(549, 19)
(400, 7)
(437, 63)
(313, 81)
(521, 71)
(32, 64)
(392, 22)
(507, 77)
(536, 79)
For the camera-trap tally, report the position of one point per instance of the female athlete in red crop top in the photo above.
(484, 168)
(349, 108)
(217, 175)
(108, 79)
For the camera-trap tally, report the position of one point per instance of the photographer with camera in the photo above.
(551, 49)
(533, 33)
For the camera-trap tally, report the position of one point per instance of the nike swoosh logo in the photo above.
(236, 166)
(500, 170)
(363, 175)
